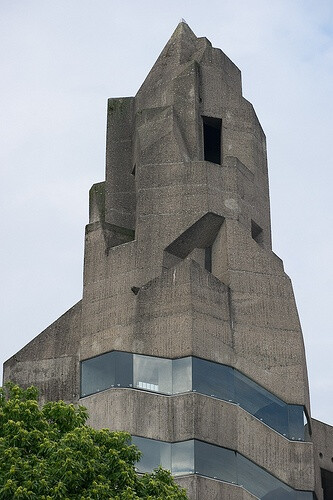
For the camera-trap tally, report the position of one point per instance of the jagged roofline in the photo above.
(182, 47)
(181, 33)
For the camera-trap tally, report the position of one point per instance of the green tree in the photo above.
(49, 453)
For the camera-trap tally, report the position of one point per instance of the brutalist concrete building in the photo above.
(187, 334)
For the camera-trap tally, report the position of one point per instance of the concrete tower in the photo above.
(187, 335)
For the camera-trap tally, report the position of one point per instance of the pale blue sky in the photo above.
(61, 60)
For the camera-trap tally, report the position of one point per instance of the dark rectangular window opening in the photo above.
(208, 259)
(256, 232)
(327, 483)
(212, 129)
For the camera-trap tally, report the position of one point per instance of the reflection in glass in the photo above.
(198, 457)
(113, 369)
(296, 424)
(258, 481)
(261, 403)
(152, 374)
(213, 379)
(306, 428)
(182, 375)
(183, 458)
(154, 453)
(214, 461)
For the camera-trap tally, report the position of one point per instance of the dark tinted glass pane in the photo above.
(281, 494)
(112, 369)
(276, 416)
(152, 374)
(296, 422)
(181, 375)
(154, 453)
(260, 403)
(97, 373)
(216, 462)
(259, 482)
(183, 458)
(124, 369)
(213, 379)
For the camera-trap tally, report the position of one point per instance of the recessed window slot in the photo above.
(256, 233)
(208, 259)
(212, 128)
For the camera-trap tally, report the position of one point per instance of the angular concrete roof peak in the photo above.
(180, 46)
(182, 34)
(184, 29)
(179, 49)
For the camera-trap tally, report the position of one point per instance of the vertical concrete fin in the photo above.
(120, 181)
(97, 203)
(156, 137)
(186, 105)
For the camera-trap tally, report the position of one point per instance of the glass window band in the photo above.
(198, 457)
(191, 374)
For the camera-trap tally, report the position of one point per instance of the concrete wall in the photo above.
(322, 436)
(199, 488)
(51, 360)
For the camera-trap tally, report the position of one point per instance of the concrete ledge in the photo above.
(200, 488)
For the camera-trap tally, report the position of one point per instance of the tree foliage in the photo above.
(50, 453)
